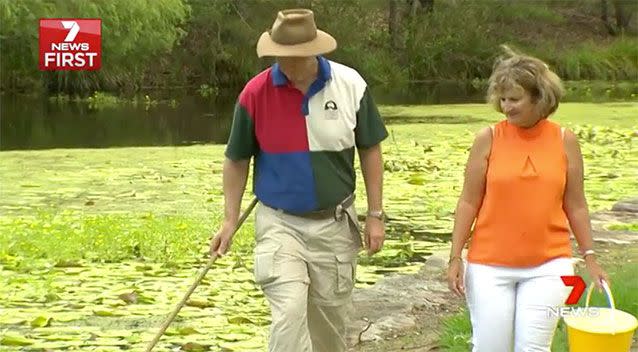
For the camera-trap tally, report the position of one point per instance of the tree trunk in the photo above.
(604, 16)
(428, 5)
(394, 24)
(305, 4)
(418, 6)
(623, 14)
(414, 8)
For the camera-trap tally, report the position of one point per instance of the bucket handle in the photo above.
(610, 298)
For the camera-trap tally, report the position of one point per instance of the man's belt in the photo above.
(335, 212)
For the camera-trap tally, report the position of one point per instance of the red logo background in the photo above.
(53, 32)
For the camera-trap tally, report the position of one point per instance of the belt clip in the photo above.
(339, 212)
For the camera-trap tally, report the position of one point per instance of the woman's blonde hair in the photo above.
(515, 71)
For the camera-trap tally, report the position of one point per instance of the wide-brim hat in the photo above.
(294, 33)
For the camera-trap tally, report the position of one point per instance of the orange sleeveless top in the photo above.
(521, 222)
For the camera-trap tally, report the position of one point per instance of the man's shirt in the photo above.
(304, 144)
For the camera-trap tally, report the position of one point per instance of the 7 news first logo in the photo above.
(70, 44)
(579, 286)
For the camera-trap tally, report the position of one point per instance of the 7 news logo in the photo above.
(70, 44)
(579, 286)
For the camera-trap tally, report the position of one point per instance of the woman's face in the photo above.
(518, 107)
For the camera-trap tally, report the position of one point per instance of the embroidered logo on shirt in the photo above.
(330, 110)
(330, 104)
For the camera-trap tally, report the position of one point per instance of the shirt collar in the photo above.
(280, 79)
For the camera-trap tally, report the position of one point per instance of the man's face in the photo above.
(296, 66)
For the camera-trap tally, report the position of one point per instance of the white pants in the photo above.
(509, 307)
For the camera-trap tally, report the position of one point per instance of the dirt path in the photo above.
(403, 312)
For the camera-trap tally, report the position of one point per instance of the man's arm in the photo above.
(235, 175)
(372, 170)
(241, 147)
(234, 179)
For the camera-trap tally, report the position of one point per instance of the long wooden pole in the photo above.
(197, 281)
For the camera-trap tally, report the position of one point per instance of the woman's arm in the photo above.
(473, 190)
(575, 207)
(574, 202)
(468, 206)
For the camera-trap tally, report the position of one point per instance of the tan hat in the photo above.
(294, 33)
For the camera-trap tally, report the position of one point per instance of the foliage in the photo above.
(191, 43)
(457, 332)
(616, 61)
(69, 236)
(135, 34)
(633, 227)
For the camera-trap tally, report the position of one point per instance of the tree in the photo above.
(135, 35)
(394, 24)
(624, 12)
(418, 6)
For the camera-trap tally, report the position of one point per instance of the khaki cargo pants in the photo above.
(306, 269)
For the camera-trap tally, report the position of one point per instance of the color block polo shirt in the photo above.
(304, 144)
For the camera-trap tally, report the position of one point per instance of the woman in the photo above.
(523, 185)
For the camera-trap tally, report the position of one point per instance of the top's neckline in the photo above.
(529, 132)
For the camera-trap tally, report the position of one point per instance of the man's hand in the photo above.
(374, 234)
(220, 244)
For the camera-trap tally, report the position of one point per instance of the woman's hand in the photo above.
(596, 273)
(455, 279)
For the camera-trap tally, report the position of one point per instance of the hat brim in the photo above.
(322, 44)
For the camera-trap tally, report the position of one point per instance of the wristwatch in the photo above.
(378, 214)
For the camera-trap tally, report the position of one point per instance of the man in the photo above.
(301, 120)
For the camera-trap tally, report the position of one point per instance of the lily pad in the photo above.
(239, 320)
(199, 303)
(107, 313)
(194, 347)
(233, 337)
(41, 322)
(14, 340)
(182, 331)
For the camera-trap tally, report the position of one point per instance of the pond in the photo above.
(98, 245)
(41, 123)
(180, 117)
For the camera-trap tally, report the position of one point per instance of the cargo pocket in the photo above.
(265, 268)
(346, 266)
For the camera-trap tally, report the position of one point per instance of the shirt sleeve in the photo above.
(242, 142)
(370, 129)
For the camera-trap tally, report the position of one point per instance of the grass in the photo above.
(457, 332)
(633, 227)
(616, 61)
